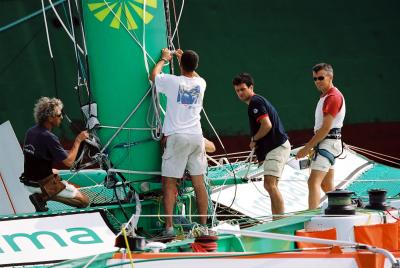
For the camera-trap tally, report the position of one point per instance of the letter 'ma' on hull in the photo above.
(33, 238)
(123, 39)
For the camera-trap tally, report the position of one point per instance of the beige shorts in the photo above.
(276, 159)
(322, 163)
(69, 192)
(183, 151)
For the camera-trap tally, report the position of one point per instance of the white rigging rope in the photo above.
(146, 64)
(47, 30)
(73, 35)
(373, 153)
(125, 121)
(177, 22)
(82, 30)
(65, 28)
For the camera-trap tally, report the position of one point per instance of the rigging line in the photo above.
(80, 68)
(123, 25)
(5, 68)
(86, 59)
(223, 147)
(28, 17)
(177, 22)
(146, 64)
(65, 28)
(126, 121)
(362, 149)
(171, 46)
(215, 132)
(79, 61)
(72, 28)
(236, 153)
(81, 24)
(377, 157)
(172, 43)
(47, 30)
(129, 24)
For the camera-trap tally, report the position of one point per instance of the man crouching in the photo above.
(41, 150)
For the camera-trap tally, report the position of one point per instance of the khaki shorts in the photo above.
(183, 151)
(69, 192)
(322, 163)
(276, 159)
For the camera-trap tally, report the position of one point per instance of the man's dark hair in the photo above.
(189, 60)
(323, 66)
(243, 78)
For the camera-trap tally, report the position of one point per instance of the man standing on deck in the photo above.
(185, 142)
(268, 138)
(41, 149)
(326, 142)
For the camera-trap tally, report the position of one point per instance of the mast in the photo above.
(124, 40)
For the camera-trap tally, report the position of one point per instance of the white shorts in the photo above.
(276, 159)
(322, 163)
(69, 192)
(183, 151)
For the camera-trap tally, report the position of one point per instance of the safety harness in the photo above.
(334, 134)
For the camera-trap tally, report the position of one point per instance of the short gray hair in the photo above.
(323, 66)
(45, 108)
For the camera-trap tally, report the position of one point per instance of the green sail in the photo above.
(118, 77)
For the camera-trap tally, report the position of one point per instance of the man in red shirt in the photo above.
(326, 143)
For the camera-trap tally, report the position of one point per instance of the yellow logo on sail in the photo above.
(128, 12)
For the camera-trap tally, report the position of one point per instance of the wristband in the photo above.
(165, 60)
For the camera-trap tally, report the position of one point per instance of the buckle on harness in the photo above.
(334, 133)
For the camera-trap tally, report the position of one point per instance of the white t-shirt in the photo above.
(331, 103)
(184, 103)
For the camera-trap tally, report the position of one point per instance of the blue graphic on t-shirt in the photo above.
(188, 96)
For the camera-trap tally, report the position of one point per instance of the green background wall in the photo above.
(26, 71)
(276, 41)
(279, 41)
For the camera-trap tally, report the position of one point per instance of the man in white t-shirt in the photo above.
(185, 142)
(326, 142)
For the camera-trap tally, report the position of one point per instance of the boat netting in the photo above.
(378, 177)
(98, 194)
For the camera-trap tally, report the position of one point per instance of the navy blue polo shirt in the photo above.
(41, 149)
(260, 107)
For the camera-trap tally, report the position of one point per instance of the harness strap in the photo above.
(325, 153)
(334, 133)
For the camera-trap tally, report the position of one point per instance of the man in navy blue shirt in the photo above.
(268, 138)
(41, 150)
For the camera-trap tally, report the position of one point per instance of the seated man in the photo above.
(41, 150)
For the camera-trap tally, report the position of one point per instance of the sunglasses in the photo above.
(320, 78)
